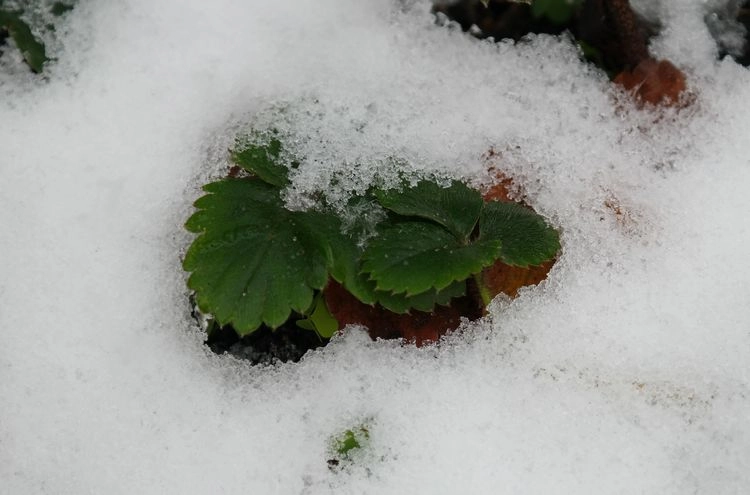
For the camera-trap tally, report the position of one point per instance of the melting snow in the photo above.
(626, 372)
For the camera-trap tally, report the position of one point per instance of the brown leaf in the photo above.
(418, 327)
(657, 82)
(509, 279)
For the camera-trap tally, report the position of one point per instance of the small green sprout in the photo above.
(346, 445)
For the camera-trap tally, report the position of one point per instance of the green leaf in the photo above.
(346, 269)
(525, 236)
(31, 48)
(413, 257)
(255, 261)
(350, 440)
(426, 301)
(320, 320)
(263, 161)
(456, 207)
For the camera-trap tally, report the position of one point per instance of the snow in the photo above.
(625, 372)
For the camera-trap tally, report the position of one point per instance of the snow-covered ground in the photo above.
(628, 371)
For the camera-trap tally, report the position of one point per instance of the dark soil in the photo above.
(264, 346)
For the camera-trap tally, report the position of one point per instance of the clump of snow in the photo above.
(625, 372)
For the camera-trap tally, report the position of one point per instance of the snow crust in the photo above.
(625, 372)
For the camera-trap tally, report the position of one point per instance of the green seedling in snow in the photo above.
(344, 446)
(254, 262)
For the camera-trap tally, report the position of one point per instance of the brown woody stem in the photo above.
(628, 30)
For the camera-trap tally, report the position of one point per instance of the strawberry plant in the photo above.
(256, 263)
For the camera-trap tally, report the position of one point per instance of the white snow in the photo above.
(626, 372)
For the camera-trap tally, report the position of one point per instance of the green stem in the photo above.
(484, 291)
